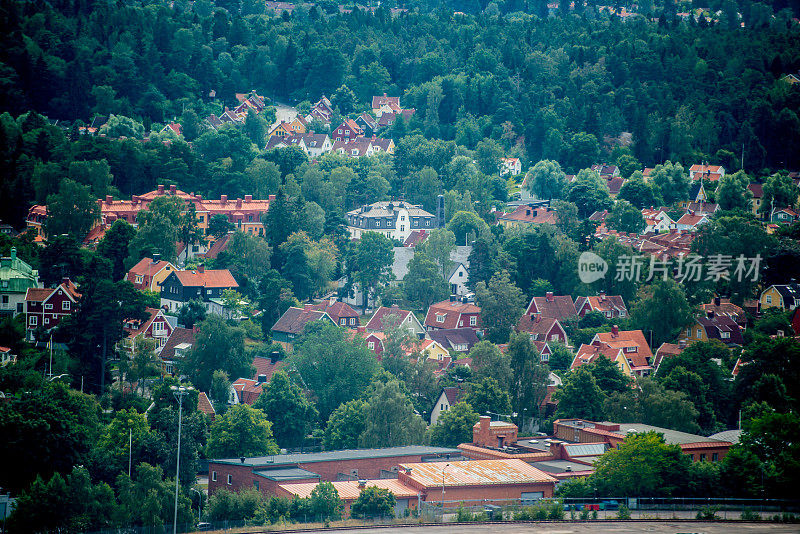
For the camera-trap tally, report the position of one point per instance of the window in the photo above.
(33, 320)
(714, 456)
(725, 335)
(371, 345)
(699, 333)
(545, 357)
(214, 476)
(535, 337)
(46, 320)
(139, 278)
(439, 318)
(347, 132)
(554, 337)
(688, 332)
(473, 320)
(230, 479)
(461, 322)
(339, 131)
(402, 227)
(630, 349)
(460, 274)
(769, 299)
(427, 223)
(343, 322)
(48, 306)
(65, 305)
(5, 299)
(352, 320)
(378, 224)
(202, 218)
(702, 457)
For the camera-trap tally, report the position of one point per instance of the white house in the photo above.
(458, 277)
(512, 166)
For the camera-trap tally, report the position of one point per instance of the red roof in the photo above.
(537, 325)
(590, 353)
(248, 390)
(376, 321)
(204, 405)
(338, 310)
(294, 320)
(757, 190)
(530, 215)
(265, 366)
(415, 238)
(147, 267)
(207, 278)
(451, 311)
(555, 306)
(626, 338)
(218, 246)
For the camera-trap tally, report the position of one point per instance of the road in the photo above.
(593, 527)
(283, 112)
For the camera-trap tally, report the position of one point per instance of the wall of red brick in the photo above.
(486, 492)
(696, 453)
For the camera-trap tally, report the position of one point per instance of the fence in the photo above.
(600, 508)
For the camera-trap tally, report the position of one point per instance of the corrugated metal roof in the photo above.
(293, 473)
(349, 490)
(352, 454)
(588, 449)
(476, 473)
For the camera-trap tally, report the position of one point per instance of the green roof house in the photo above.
(16, 277)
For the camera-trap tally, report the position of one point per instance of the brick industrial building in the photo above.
(266, 472)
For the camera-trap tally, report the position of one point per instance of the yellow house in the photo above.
(785, 297)
(282, 130)
(710, 327)
(298, 125)
(432, 350)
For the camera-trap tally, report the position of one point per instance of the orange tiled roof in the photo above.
(207, 278)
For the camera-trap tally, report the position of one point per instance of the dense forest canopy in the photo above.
(684, 90)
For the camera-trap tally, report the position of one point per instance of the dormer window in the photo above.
(439, 318)
(630, 349)
(725, 335)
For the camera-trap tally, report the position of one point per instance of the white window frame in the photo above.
(213, 473)
(230, 479)
(725, 335)
(371, 345)
(473, 321)
(352, 320)
(769, 299)
(343, 321)
(48, 306)
(439, 318)
(33, 321)
(699, 332)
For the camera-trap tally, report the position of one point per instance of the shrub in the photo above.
(750, 515)
(623, 512)
(708, 513)
(584, 514)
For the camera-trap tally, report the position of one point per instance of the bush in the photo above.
(708, 513)
(463, 515)
(750, 515)
(623, 512)
(585, 514)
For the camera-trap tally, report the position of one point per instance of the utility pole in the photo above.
(130, 449)
(180, 393)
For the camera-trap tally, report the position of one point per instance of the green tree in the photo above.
(546, 180)
(373, 502)
(424, 285)
(488, 361)
(673, 182)
(486, 395)
(218, 225)
(589, 192)
(625, 217)
(345, 425)
(126, 426)
(241, 431)
(662, 310)
(114, 246)
(464, 224)
(438, 246)
(73, 210)
(373, 259)
(640, 193)
(779, 192)
(157, 236)
(561, 358)
(580, 397)
(732, 192)
(191, 313)
(246, 255)
(501, 305)
(220, 390)
(487, 155)
(529, 386)
(287, 407)
(643, 465)
(275, 297)
(454, 426)
(216, 346)
(334, 368)
(390, 419)
(325, 503)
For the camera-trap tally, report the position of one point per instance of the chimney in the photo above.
(682, 344)
(271, 198)
(199, 197)
(238, 203)
(65, 281)
(172, 189)
(223, 199)
(109, 198)
(332, 301)
(717, 301)
(201, 268)
(602, 296)
(248, 198)
(710, 314)
(549, 296)
(615, 331)
(262, 379)
(13, 253)
(156, 258)
(160, 189)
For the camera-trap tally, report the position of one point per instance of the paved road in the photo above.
(602, 527)
(283, 112)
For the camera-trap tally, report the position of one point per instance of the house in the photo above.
(415, 238)
(725, 307)
(174, 350)
(172, 127)
(45, 307)
(455, 339)
(611, 306)
(510, 166)
(348, 131)
(699, 448)
(785, 297)
(341, 313)
(406, 318)
(697, 193)
(448, 398)
(205, 406)
(6, 358)
(313, 144)
(656, 221)
(606, 171)
(526, 215)
(614, 184)
(385, 104)
(666, 351)
(202, 284)
(458, 278)
(16, 278)
(713, 326)
(368, 124)
(149, 273)
(627, 348)
(553, 306)
(783, 216)
(690, 221)
(246, 391)
(599, 216)
(453, 314)
(542, 329)
(293, 321)
(374, 341)
(431, 350)
(757, 191)
(218, 246)
(321, 111)
(282, 129)
(703, 208)
(155, 326)
(185, 253)
(707, 173)
(394, 219)
(389, 118)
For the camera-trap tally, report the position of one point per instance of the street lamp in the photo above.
(199, 504)
(180, 392)
(443, 468)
